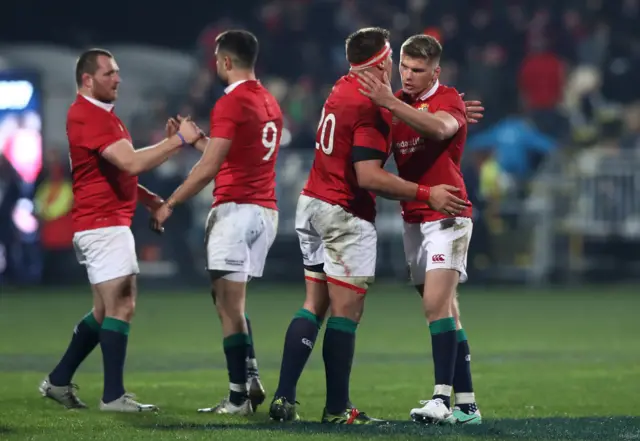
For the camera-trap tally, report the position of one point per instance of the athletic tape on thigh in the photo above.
(357, 284)
(315, 276)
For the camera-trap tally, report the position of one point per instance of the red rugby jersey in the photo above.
(348, 119)
(103, 196)
(430, 162)
(251, 118)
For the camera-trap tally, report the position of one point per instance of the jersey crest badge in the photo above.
(424, 107)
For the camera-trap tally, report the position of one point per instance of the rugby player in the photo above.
(335, 225)
(240, 155)
(104, 168)
(428, 142)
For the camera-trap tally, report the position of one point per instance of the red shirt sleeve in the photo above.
(372, 130)
(454, 106)
(225, 118)
(100, 133)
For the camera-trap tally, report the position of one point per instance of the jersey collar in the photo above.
(232, 86)
(430, 92)
(105, 106)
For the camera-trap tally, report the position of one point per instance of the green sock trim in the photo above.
(443, 325)
(236, 340)
(308, 315)
(342, 324)
(462, 336)
(246, 316)
(115, 325)
(90, 320)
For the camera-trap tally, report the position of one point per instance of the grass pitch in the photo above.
(548, 365)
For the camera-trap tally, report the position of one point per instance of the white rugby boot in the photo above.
(127, 404)
(226, 407)
(65, 395)
(433, 412)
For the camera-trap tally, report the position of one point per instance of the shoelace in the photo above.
(70, 393)
(353, 415)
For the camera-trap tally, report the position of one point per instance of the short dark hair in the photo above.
(422, 46)
(365, 43)
(88, 63)
(241, 45)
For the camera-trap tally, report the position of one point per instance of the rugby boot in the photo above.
(466, 418)
(349, 416)
(127, 404)
(65, 395)
(282, 410)
(256, 392)
(433, 412)
(226, 407)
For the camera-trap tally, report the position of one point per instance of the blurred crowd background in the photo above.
(553, 169)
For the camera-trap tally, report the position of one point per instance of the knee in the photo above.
(123, 305)
(351, 307)
(437, 304)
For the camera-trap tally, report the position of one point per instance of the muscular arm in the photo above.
(122, 155)
(439, 125)
(203, 172)
(371, 176)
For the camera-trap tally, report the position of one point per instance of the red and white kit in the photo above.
(431, 239)
(104, 198)
(334, 218)
(243, 221)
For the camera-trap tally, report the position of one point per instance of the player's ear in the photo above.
(87, 80)
(436, 74)
(228, 64)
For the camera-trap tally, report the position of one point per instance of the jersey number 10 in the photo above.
(327, 123)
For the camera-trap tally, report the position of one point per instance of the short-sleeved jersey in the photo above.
(348, 119)
(429, 162)
(103, 195)
(251, 118)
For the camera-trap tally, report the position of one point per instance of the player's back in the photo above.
(103, 195)
(346, 120)
(430, 162)
(251, 117)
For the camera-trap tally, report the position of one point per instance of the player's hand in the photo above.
(188, 117)
(378, 90)
(474, 110)
(171, 128)
(159, 217)
(189, 130)
(444, 201)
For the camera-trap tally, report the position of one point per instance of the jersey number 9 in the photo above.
(327, 124)
(269, 139)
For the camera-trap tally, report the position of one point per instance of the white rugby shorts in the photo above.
(238, 237)
(438, 244)
(107, 253)
(330, 235)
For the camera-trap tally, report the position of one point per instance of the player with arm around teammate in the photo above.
(428, 143)
(240, 155)
(335, 225)
(104, 168)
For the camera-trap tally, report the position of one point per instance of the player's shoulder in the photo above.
(83, 113)
(346, 100)
(448, 94)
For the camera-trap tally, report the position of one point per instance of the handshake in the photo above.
(185, 128)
